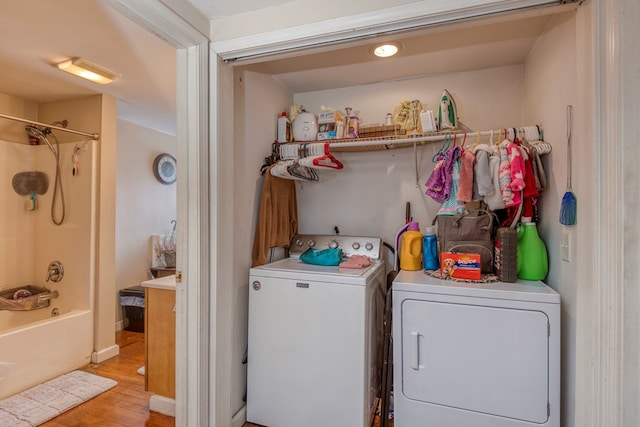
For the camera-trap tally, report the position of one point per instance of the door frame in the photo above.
(187, 30)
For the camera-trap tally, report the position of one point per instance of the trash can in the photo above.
(132, 302)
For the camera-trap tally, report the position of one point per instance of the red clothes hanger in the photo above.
(327, 160)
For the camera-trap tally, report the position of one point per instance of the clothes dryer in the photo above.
(475, 354)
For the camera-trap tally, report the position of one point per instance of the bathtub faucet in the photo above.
(55, 272)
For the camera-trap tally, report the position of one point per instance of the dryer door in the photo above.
(484, 359)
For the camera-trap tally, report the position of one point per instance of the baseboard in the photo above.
(119, 325)
(163, 405)
(240, 418)
(105, 354)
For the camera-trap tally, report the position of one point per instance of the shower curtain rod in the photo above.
(95, 136)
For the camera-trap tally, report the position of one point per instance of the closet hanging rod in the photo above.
(391, 140)
(95, 136)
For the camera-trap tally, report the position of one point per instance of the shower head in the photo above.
(36, 133)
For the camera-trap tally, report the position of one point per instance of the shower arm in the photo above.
(95, 136)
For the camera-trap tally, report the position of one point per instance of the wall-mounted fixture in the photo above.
(55, 271)
(386, 50)
(88, 70)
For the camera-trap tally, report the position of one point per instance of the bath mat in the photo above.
(45, 401)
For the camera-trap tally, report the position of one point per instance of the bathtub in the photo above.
(49, 341)
(43, 349)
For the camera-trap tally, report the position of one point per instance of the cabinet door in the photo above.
(476, 358)
(160, 342)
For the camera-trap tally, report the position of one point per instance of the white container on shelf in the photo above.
(305, 127)
(284, 128)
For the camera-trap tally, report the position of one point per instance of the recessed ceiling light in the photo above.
(385, 50)
(88, 70)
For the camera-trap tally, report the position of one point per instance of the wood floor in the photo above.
(127, 404)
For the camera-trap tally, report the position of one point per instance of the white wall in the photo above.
(144, 206)
(368, 196)
(258, 99)
(11, 130)
(551, 83)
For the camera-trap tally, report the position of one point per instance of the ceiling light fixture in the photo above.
(88, 70)
(385, 50)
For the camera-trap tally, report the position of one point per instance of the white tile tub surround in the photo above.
(37, 341)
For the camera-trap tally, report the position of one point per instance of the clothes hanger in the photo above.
(477, 141)
(327, 160)
(281, 169)
(516, 140)
(446, 140)
(303, 173)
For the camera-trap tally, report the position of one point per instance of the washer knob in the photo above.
(368, 246)
(299, 242)
(355, 245)
(333, 244)
(311, 243)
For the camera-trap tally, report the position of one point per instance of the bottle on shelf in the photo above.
(430, 250)
(284, 128)
(532, 261)
(411, 248)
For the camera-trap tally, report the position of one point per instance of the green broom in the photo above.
(569, 205)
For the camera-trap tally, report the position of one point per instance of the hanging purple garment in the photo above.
(437, 180)
(439, 183)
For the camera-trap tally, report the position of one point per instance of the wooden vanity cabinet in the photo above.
(160, 342)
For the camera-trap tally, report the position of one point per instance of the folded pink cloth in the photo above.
(356, 261)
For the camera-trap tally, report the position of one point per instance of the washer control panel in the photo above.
(350, 245)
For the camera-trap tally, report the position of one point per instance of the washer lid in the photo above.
(522, 290)
(289, 267)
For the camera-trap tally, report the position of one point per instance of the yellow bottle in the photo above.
(411, 248)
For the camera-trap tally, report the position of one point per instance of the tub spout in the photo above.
(46, 297)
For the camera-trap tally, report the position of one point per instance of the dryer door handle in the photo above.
(415, 350)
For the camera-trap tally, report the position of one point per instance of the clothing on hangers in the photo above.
(482, 177)
(505, 174)
(277, 217)
(452, 206)
(465, 185)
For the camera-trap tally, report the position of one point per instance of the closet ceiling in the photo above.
(39, 33)
(487, 43)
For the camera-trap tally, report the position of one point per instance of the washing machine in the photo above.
(315, 337)
(475, 354)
